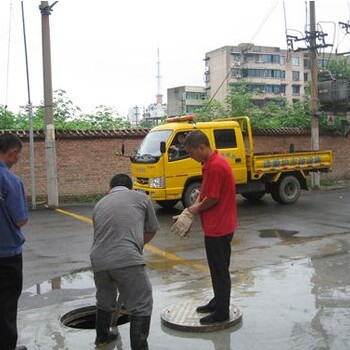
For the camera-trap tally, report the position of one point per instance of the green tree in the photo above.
(104, 117)
(7, 118)
(339, 67)
(211, 109)
(239, 101)
(68, 116)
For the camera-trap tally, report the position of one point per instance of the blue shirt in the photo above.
(13, 209)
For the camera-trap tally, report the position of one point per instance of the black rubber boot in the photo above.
(139, 330)
(214, 318)
(103, 323)
(210, 307)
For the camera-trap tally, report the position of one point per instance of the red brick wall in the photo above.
(85, 165)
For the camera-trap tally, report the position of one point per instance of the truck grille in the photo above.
(142, 180)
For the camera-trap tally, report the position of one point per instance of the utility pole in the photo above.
(50, 145)
(315, 145)
(314, 39)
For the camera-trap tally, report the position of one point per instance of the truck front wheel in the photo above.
(287, 190)
(191, 194)
(167, 204)
(253, 196)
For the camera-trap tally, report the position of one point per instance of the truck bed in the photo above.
(264, 163)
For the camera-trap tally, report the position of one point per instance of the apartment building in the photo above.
(183, 100)
(267, 71)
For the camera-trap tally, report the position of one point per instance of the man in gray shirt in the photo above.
(123, 220)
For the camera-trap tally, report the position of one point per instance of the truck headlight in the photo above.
(156, 182)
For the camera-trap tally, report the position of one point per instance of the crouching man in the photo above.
(123, 220)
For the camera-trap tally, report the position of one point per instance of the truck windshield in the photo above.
(149, 149)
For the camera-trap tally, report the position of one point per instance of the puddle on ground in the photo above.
(82, 279)
(278, 233)
(301, 304)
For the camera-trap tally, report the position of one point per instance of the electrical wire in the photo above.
(8, 57)
(288, 57)
(268, 14)
(332, 42)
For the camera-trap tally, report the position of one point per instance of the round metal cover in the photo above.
(184, 317)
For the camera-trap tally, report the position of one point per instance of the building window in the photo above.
(306, 77)
(236, 74)
(295, 61)
(296, 75)
(271, 89)
(194, 95)
(264, 73)
(256, 88)
(296, 89)
(271, 58)
(225, 138)
(235, 57)
(275, 89)
(321, 62)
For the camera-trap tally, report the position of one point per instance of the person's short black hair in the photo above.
(8, 141)
(121, 180)
(196, 138)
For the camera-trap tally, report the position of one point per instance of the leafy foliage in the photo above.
(7, 118)
(339, 67)
(67, 116)
(211, 109)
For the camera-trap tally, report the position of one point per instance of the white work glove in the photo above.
(182, 224)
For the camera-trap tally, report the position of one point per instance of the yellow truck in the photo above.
(165, 172)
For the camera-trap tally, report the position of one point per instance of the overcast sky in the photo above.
(105, 52)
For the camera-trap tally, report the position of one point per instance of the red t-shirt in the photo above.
(219, 183)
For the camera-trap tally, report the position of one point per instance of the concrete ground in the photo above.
(290, 277)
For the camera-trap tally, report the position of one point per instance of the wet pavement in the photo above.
(290, 277)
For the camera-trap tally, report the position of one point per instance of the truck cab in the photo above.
(162, 168)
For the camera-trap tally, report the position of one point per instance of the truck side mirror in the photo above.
(162, 147)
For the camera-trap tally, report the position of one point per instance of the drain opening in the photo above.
(85, 318)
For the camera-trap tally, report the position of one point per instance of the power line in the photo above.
(8, 56)
(268, 14)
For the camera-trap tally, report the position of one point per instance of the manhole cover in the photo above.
(85, 318)
(184, 317)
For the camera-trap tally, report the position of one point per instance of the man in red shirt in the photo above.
(216, 206)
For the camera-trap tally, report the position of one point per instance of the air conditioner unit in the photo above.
(237, 63)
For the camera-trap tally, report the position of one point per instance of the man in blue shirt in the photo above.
(13, 215)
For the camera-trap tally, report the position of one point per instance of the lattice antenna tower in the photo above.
(159, 96)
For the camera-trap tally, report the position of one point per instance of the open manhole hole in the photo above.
(85, 318)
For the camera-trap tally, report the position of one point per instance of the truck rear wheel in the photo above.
(191, 194)
(287, 190)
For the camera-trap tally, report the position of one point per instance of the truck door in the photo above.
(226, 144)
(179, 167)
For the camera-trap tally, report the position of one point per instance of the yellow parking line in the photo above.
(75, 216)
(155, 250)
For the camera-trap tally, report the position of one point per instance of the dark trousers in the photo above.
(218, 251)
(11, 281)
